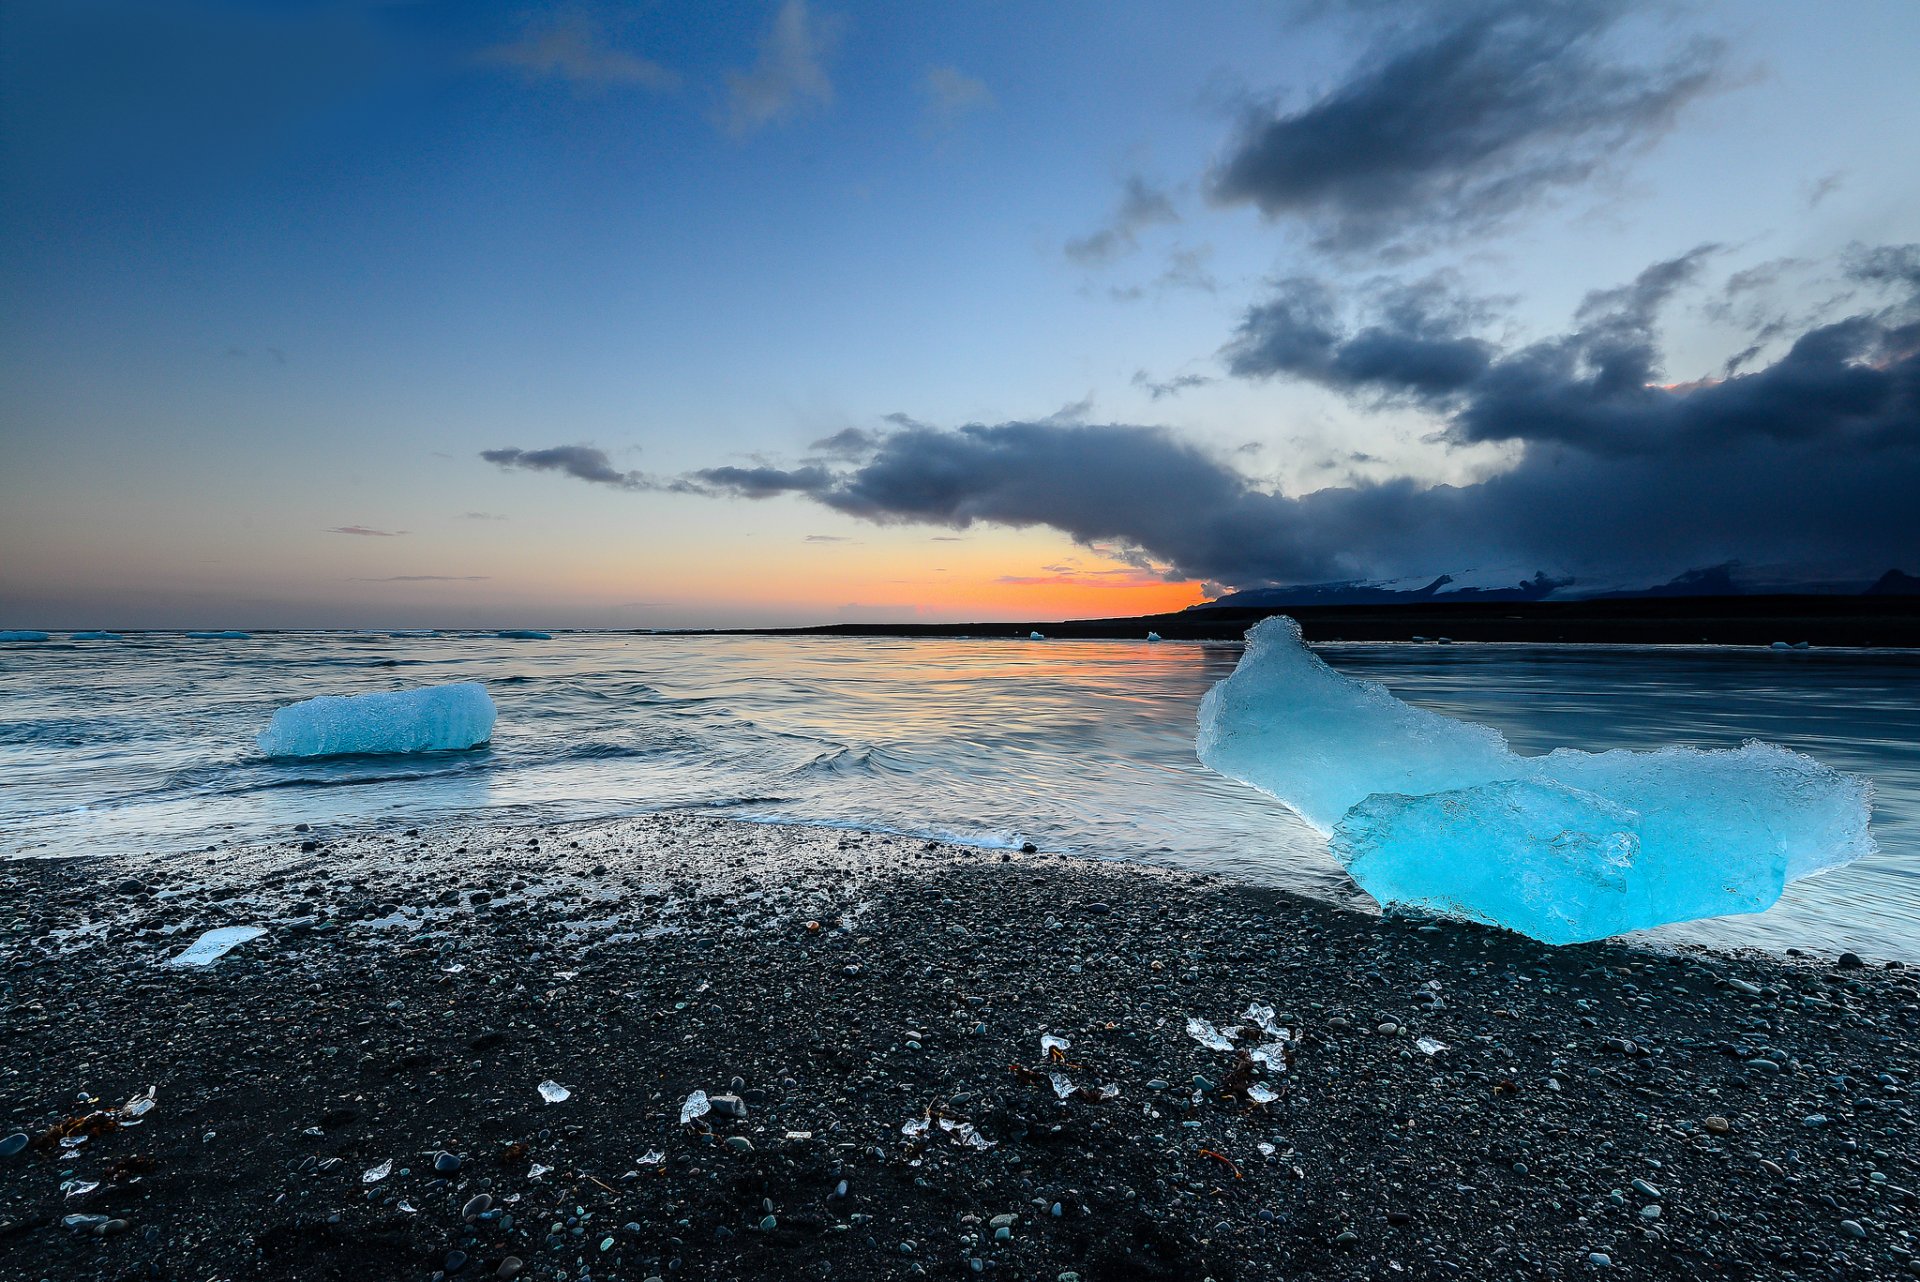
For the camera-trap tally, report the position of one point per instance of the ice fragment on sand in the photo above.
(1428, 1046)
(374, 1174)
(554, 1093)
(427, 719)
(1051, 1043)
(1207, 1035)
(1437, 814)
(1062, 1084)
(1261, 1093)
(697, 1105)
(215, 944)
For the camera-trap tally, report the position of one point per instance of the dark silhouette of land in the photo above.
(1870, 619)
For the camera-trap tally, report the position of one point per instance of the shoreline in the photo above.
(415, 987)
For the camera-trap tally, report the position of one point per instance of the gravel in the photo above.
(885, 1073)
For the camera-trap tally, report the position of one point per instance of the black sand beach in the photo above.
(1455, 1102)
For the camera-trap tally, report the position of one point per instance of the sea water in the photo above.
(1080, 746)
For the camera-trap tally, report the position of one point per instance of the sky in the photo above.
(662, 315)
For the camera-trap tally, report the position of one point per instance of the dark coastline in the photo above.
(1604, 1107)
(1833, 621)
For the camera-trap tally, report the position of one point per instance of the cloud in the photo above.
(1463, 115)
(481, 516)
(828, 538)
(951, 94)
(366, 531)
(1812, 456)
(1142, 205)
(579, 52)
(790, 74)
(1172, 387)
(1413, 349)
(429, 578)
(582, 462)
(848, 442)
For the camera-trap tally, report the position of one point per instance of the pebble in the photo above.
(1645, 1189)
(728, 1105)
(446, 1163)
(14, 1144)
(477, 1205)
(1719, 1125)
(739, 1143)
(1651, 1211)
(1853, 1228)
(456, 1260)
(1599, 1259)
(510, 1267)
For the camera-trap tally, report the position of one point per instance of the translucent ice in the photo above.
(215, 944)
(1438, 814)
(23, 634)
(524, 634)
(96, 636)
(428, 719)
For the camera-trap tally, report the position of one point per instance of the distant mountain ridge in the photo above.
(1730, 579)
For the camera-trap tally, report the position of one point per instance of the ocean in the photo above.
(147, 743)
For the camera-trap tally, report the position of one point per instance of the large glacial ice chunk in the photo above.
(1436, 814)
(1322, 743)
(427, 719)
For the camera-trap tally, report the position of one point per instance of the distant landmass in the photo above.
(1718, 605)
(1728, 580)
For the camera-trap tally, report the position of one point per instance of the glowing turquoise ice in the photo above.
(428, 719)
(1440, 815)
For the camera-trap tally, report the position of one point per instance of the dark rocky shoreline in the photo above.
(875, 1006)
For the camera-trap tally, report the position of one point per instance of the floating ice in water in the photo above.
(23, 634)
(229, 635)
(1153, 636)
(1035, 636)
(697, 1105)
(215, 944)
(374, 1174)
(554, 1093)
(524, 634)
(96, 636)
(427, 719)
(1432, 813)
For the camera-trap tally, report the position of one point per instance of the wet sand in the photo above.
(864, 1014)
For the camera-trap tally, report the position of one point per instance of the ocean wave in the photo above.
(867, 762)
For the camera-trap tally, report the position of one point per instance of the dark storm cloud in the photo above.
(1466, 113)
(582, 462)
(1812, 456)
(1413, 349)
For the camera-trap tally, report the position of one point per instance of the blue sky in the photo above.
(281, 271)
